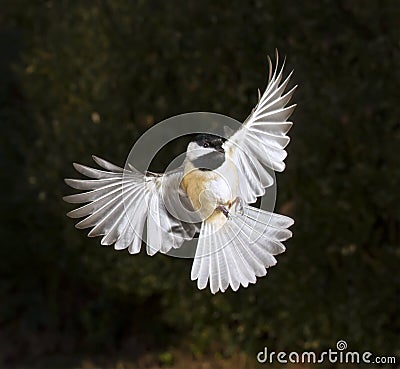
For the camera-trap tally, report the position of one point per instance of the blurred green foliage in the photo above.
(88, 77)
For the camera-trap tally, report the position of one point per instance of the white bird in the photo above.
(208, 194)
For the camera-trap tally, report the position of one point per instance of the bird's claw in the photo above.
(223, 210)
(238, 203)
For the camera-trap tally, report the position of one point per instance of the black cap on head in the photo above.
(214, 158)
(210, 139)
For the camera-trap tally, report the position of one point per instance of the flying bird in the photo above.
(209, 195)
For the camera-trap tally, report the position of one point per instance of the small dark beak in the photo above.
(220, 149)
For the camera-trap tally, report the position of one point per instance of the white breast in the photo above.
(209, 189)
(223, 187)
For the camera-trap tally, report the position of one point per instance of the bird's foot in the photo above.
(223, 210)
(238, 204)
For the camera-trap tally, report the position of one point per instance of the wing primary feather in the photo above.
(92, 172)
(117, 206)
(90, 184)
(277, 99)
(100, 217)
(96, 204)
(107, 165)
(95, 194)
(112, 235)
(269, 69)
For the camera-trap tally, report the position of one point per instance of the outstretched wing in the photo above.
(122, 203)
(260, 143)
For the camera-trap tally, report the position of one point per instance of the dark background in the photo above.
(88, 77)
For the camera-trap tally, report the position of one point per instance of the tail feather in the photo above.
(240, 250)
(253, 263)
(235, 257)
(229, 272)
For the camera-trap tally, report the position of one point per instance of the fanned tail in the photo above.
(240, 250)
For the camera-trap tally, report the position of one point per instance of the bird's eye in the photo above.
(206, 144)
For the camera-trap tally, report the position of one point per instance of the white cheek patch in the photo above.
(195, 151)
(209, 161)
